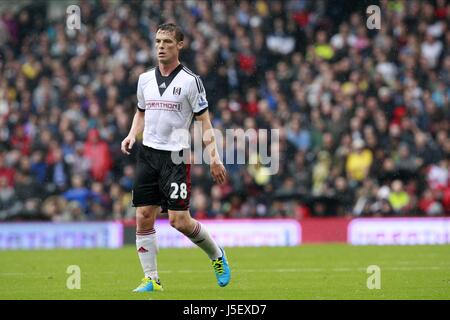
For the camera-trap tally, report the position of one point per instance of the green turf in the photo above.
(304, 272)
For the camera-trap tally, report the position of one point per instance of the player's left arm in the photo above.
(218, 171)
(199, 104)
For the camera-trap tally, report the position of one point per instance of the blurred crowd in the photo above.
(363, 114)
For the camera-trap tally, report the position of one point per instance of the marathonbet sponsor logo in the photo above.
(162, 105)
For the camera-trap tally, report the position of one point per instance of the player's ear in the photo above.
(180, 45)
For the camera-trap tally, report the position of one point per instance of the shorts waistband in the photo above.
(160, 151)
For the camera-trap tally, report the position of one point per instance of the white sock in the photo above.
(147, 248)
(201, 237)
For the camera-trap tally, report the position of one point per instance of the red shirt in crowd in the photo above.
(97, 152)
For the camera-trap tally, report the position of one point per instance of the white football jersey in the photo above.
(170, 104)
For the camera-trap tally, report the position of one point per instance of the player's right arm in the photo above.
(138, 121)
(136, 128)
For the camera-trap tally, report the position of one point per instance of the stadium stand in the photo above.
(364, 115)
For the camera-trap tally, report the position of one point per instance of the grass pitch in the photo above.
(304, 272)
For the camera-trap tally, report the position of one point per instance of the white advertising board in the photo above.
(399, 231)
(61, 235)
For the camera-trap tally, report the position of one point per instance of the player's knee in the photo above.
(174, 221)
(144, 213)
(180, 223)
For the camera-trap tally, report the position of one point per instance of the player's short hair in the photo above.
(172, 27)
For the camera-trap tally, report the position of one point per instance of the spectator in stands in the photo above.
(377, 102)
(55, 209)
(76, 211)
(6, 171)
(97, 151)
(80, 165)
(58, 172)
(298, 136)
(26, 187)
(321, 172)
(399, 198)
(404, 160)
(39, 167)
(127, 180)
(429, 205)
(359, 161)
(78, 193)
(9, 204)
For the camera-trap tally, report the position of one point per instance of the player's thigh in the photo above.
(175, 184)
(146, 191)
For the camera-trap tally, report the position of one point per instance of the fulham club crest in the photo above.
(176, 91)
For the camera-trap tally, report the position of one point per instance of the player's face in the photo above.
(167, 47)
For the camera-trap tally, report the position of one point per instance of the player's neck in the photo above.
(166, 69)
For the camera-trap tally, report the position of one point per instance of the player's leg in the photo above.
(175, 183)
(199, 235)
(195, 231)
(147, 199)
(146, 241)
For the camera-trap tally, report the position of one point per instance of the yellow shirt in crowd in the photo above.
(358, 164)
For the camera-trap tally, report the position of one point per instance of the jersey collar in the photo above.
(164, 82)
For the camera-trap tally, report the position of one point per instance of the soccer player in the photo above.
(169, 97)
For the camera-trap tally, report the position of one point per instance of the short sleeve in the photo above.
(140, 96)
(197, 97)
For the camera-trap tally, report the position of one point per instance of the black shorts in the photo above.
(159, 181)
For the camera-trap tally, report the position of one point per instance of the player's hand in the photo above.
(127, 144)
(218, 172)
